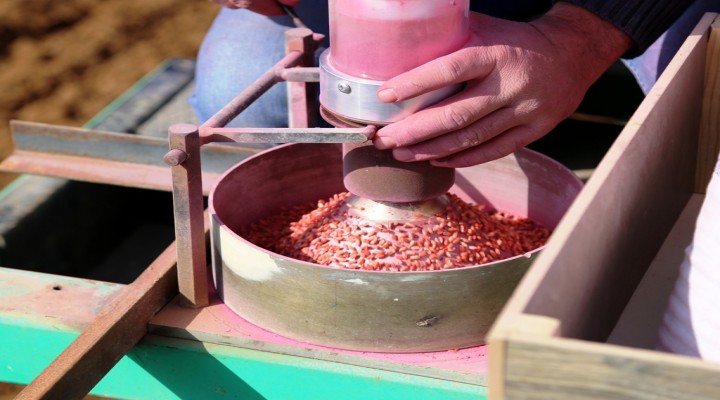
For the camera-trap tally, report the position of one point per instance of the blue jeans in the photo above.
(647, 67)
(239, 47)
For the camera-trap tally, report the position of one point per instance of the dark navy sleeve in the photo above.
(514, 10)
(643, 20)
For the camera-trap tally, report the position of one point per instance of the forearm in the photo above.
(641, 20)
(593, 42)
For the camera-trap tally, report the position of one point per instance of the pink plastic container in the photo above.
(379, 39)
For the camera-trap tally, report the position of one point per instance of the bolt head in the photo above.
(344, 87)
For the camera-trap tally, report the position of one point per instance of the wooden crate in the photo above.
(596, 275)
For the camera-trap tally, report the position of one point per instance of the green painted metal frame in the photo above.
(169, 368)
(36, 327)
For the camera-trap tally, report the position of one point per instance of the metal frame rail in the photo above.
(130, 160)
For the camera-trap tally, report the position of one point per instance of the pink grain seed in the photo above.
(305, 232)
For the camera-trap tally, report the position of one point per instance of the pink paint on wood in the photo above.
(218, 321)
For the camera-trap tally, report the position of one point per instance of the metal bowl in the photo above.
(398, 312)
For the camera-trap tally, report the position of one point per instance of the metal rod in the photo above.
(289, 135)
(106, 157)
(302, 97)
(301, 74)
(189, 225)
(253, 92)
(119, 327)
(293, 15)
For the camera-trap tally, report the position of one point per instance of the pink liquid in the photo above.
(379, 42)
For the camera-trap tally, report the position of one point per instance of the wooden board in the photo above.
(710, 123)
(548, 341)
(639, 323)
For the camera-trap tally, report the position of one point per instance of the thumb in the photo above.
(460, 66)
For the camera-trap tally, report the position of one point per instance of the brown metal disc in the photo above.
(376, 175)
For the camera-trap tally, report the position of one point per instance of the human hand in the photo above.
(522, 79)
(264, 7)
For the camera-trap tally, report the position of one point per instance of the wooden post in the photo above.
(184, 157)
(709, 141)
(302, 96)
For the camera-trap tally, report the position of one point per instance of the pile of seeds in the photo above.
(461, 235)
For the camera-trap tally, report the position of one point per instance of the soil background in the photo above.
(63, 61)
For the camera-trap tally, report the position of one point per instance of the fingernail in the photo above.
(384, 142)
(403, 154)
(387, 96)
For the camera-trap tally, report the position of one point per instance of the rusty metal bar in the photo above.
(290, 135)
(184, 157)
(105, 157)
(301, 96)
(253, 92)
(292, 14)
(119, 327)
(301, 74)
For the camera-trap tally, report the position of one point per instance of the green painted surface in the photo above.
(164, 368)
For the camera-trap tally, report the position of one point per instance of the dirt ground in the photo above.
(63, 61)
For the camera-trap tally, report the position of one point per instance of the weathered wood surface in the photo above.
(709, 143)
(599, 253)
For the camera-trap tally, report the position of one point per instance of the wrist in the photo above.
(594, 43)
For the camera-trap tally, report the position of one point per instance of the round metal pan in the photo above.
(396, 312)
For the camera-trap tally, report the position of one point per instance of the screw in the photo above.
(430, 320)
(344, 87)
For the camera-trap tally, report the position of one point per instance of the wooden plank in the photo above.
(709, 143)
(523, 325)
(637, 190)
(603, 245)
(640, 321)
(535, 325)
(548, 368)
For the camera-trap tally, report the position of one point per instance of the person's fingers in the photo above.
(451, 114)
(460, 66)
(497, 147)
(460, 140)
